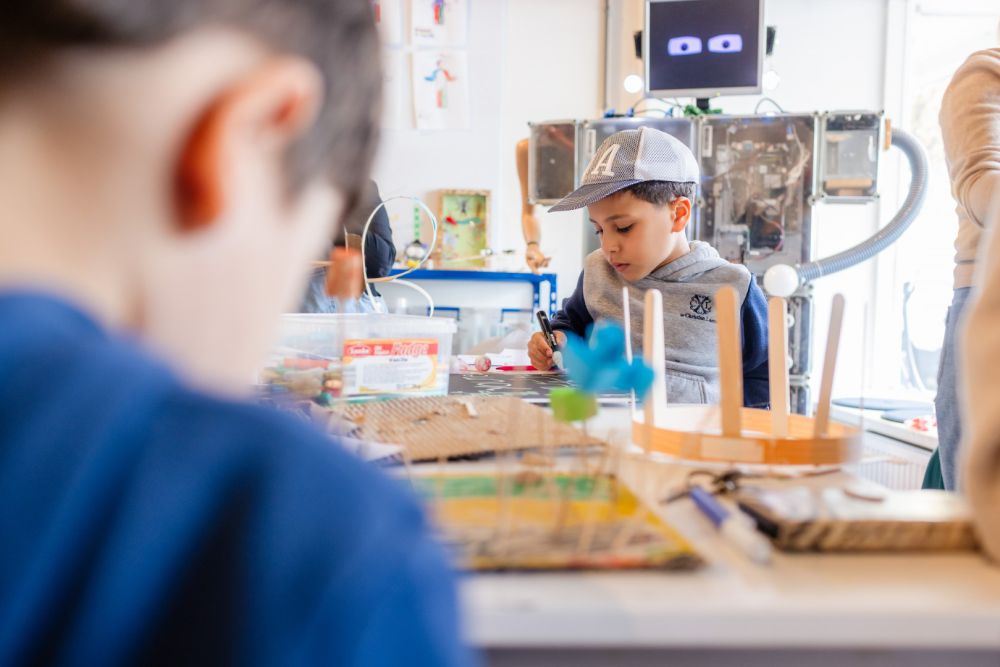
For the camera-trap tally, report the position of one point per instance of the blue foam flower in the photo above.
(599, 365)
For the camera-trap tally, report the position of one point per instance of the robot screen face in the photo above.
(726, 44)
(689, 45)
(684, 46)
(704, 45)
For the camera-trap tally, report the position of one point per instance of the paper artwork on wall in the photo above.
(439, 22)
(389, 19)
(441, 90)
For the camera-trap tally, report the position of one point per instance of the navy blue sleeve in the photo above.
(380, 251)
(574, 315)
(753, 315)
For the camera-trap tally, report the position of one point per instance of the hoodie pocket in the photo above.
(685, 388)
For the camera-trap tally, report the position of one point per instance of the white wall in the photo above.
(553, 57)
(528, 60)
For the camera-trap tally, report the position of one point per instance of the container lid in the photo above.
(384, 322)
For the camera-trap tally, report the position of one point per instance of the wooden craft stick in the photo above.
(730, 361)
(829, 365)
(653, 352)
(777, 346)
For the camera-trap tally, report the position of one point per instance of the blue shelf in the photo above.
(535, 279)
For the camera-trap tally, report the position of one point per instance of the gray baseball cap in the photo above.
(629, 157)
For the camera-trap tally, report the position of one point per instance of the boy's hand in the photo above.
(539, 351)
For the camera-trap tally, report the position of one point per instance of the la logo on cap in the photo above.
(606, 161)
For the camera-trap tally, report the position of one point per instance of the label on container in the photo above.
(374, 366)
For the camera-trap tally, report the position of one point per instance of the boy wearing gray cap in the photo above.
(638, 190)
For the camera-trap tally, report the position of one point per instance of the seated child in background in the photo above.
(638, 190)
(170, 168)
(380, 254)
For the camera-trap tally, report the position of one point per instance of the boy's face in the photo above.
(636, 236)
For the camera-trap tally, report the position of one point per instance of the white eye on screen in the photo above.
(684, 46)
(726, 44)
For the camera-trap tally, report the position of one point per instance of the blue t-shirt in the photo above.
(144, 522)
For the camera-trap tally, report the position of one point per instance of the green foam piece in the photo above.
(571, 405)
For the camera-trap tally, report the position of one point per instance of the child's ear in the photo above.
(682, 213)
(265, 110)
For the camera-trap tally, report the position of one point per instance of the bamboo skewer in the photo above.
(653, 351)
(627, 322)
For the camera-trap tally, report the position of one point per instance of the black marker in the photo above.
(550, 337)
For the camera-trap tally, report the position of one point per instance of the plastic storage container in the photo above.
(348, 355)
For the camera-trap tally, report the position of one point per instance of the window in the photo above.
(927, 41)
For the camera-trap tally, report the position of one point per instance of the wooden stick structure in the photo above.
(829, 365)
(777, 363)
(745, 435)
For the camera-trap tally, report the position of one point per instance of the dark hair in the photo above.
(339, 36)
(659, 193)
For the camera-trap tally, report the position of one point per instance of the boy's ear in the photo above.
(271, 107)
(682, 213)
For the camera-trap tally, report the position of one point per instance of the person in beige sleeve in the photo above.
(970, 128)
(981, 374)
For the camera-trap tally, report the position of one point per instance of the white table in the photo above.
(802, 610)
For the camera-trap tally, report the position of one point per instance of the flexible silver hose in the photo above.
(917, 157)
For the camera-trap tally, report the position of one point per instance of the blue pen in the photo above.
(735, 527)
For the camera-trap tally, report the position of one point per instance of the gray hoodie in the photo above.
(688, 285)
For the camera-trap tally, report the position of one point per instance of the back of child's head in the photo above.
(652, 165)
(337, 35)
(184, 161)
